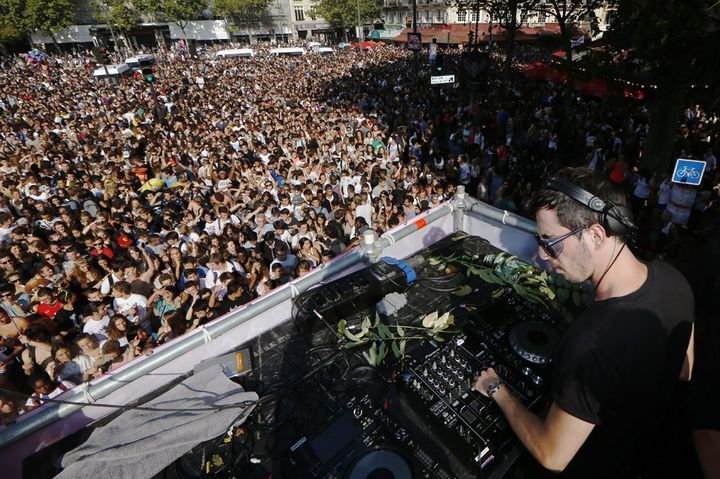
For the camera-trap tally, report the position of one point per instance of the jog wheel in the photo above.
(534, 341)
(379, 464)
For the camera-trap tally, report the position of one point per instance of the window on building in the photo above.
(474, 16)
(439, 16)
(428, 16)
(299, 14)
(541, 17)
(462, 16)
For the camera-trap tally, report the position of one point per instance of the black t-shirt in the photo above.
(67, 320)
(617, 366)
(228, 304)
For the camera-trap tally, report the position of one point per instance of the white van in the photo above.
(235, 52)
(112, 73)
(287, 51)
(134, 62)
(324, 51)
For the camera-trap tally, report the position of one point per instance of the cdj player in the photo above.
(509, 335)
(365, 441)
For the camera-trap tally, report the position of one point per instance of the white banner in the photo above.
(442, 79)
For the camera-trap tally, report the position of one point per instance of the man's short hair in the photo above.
(571, 213)
(122, 287)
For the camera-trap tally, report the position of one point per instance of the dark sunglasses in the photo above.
(553, 246)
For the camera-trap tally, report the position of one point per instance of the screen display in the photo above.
(335, 438)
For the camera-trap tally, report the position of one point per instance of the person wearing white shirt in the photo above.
(216, 226)
(109, 281)
(97, 322)
(364, 208)
(45, 389)
(303, 232)
(131, 305)
(217, 266)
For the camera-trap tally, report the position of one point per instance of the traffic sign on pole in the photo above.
(442, 79)
(688, 172)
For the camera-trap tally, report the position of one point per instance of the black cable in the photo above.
(608, 269)
(127, 406)
(441, 278)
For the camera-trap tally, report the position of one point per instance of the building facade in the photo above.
(284, 21)
(442, 12)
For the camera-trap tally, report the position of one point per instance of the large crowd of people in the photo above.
(125, 223)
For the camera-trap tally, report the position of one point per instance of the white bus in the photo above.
(134, 62)
(287, 51)
(235, 52)
(112, 73)
(324, 51)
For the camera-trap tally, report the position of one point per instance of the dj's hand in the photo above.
(486, 378)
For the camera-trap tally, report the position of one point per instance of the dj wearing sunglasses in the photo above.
(553, 246)
(616, 367)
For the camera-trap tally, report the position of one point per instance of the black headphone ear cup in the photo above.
(617, 219)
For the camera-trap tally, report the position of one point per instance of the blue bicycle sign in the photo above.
(688, 172)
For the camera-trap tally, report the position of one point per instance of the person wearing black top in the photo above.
(236, 296)
(617, 366)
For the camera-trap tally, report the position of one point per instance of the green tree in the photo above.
(674, 45)
(343, 13)
(49, 16)
(179, 12)
(119, 16)
(242, 12)
(567, 14)
(11, 21)
(510, 15)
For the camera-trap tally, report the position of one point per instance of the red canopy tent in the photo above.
(540, 71)
(365, 45)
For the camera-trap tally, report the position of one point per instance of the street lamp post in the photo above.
(359, 29)
(414, 16)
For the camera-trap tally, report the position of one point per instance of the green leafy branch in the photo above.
(510, 271)
(379, 335)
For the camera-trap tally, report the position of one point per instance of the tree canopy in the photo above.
(49, 15)
(243, 12)
(11, 20)
(343, 13)
(673, 45)
(568, 13)
(119, 13)
(175, 11)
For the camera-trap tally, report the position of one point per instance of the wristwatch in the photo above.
(493, 388)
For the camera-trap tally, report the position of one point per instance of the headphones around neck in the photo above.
(616, 219)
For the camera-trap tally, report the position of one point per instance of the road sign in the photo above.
(414, 41)
(688, 172)
(442, 79)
